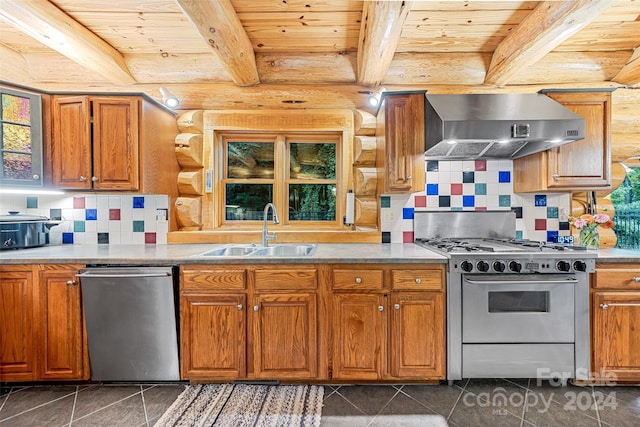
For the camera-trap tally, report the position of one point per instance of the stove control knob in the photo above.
(466, 266)
(515, 266)
(482, 266)
(499, 266)
(563, 266)
(580, 266)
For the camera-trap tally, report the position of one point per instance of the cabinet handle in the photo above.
(618, 304)
(239, 306)
(358, 280)
(555, 176)
(396, 306)
(256, 307)
(604, 306)
(380, 308)
(418, 280)
(409, 177)
(94, 179)
(71, 282)
(636, 279)
(82, 179)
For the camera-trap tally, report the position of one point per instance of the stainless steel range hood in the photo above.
(490, 126)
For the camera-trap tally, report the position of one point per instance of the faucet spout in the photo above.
(266, 236)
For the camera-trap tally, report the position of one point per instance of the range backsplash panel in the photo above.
(456, 185)
(119, 219)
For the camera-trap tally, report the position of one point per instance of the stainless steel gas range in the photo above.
(515, 308)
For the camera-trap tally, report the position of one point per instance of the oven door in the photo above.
(523, 308)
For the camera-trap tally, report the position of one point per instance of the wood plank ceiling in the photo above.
(224, 54)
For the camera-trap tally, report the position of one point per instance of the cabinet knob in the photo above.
(555, 176)
(604, 306)
(418, 280)
(256, 307)
(396, 306)
(82, 179)
(409, 177)
(94, 179)
(380, 308)
(636, 279)
(239, 306)
(358, 280)
(35, 177)
(71, 282)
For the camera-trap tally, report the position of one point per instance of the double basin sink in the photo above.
(253, 250)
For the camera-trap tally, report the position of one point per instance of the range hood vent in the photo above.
(496, 126)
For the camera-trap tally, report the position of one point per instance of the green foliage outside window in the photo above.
(626, 201)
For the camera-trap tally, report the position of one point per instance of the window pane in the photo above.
(250, 160)
(16, 166)
(312, 202)
(16, 109)
(312, 161)
(16, 138)
(246, 202)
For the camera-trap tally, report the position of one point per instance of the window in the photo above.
(297, 172)
(626, 202)
(20, 138)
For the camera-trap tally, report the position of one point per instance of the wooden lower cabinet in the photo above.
(616, 322)
(41, 324)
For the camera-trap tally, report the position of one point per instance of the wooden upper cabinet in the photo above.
(580, 165)
(401, 138)
(95, 143)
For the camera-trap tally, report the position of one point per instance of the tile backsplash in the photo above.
(98, 218)
(475, 185)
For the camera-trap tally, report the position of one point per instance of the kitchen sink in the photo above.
(288, 250)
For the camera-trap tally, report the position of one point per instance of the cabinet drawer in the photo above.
(616, 276)
(417, 279)
(358, 279)
(212, 279)
(286, 279)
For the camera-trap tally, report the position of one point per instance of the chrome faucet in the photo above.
(265, 234)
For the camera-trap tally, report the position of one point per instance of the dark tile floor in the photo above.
(473, 403)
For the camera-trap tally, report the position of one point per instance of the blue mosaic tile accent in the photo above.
(552, 212)
(55, 214)
(67, 238)
(444, 201)
(138, 226)
(468, 177)
(432, 166)
(468, 201)
(504, 200)
(519, 234)
(457, 208)
(518, 211)
(432, 189)
(32, 202)
(551, 236)
(407, 213)
(78, 226)
(386, 237)
(563, 225)
(91, 215)
(385, 201)
(504, 176)
(138, 202)
(540, 200)
(481, 189)
(103, 238)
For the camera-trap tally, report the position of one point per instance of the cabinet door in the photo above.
(584, 163)
(417, 344)
(115, 143)
(17, 311)
(404, 140)
(213, 336)
(71, 151)
(359, 335)
(616, 347)
(62, 327)
(285, 336)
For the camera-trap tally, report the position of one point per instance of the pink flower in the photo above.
(601, 218)
(579, 223)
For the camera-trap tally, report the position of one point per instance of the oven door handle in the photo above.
(518, 282)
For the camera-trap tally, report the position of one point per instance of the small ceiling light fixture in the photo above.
(169, 99)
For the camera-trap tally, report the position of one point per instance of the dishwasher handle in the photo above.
(123, 275)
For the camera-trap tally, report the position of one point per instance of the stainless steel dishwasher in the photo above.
(130, 315)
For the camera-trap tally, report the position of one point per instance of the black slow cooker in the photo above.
(19, 231)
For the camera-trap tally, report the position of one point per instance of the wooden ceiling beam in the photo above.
(545, 28)
(630, 73)
(220, 27)
(380, 30)
(44, 22)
